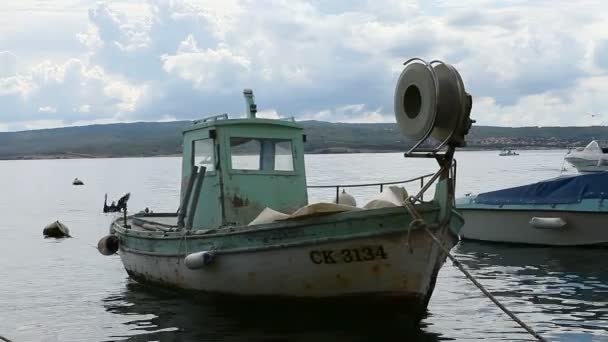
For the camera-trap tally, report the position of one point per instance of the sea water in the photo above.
(64, 290)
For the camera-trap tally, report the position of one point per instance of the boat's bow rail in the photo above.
(381, 185)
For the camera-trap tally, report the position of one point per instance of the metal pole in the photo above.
(195, 195)
(183, 208)
(124, 216)
(422, 186)
(337, 194)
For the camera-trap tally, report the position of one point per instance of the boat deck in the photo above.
(170, 221)
(158, 222)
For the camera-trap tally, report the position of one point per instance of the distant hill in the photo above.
(113, 140)
(164, 138)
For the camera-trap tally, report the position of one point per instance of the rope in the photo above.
(179, 247)
(419, 222)
(4, 339)
(86, 243)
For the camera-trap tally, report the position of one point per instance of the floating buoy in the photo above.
(108, 245)
(77, 182)
(347, 199)
(198, 260)
(56, 230)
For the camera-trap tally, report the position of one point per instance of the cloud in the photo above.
(8, 64)
(207, 69)
(349, 114)
(526, 63)
(65, 93)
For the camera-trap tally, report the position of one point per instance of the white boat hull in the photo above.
(590, 159)
(312, 271)
(541, 227)
(587, 164)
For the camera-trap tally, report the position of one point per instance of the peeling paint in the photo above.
(239, 202)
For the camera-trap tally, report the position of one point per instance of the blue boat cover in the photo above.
(560, 190)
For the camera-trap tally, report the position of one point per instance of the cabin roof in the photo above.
(242, 122)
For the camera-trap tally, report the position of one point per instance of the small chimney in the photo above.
(251, 107)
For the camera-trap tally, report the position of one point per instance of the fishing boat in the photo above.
(592, 158)
(507, 153)
(245, 227)
(564, 211)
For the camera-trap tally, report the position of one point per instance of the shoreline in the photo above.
(323, 151)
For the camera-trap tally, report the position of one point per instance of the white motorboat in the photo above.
(592, 158)
(564, 211)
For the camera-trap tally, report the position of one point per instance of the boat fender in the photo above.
(547, 222)
(346, 198)
(108, 245)
(198, 260)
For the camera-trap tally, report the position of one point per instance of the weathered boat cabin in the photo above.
(249, 164)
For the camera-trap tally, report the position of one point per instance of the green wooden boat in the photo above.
(236, 171)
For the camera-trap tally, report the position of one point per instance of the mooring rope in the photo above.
(419, 221)
(4, 339)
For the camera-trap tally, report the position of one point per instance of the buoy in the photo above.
(56, 230)
(77, 182)
(347, 199)
(108, 245)
(198, 260)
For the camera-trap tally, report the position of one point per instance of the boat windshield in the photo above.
(593, 147)
(203, 154)
(261, 154)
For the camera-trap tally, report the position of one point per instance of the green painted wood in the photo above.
(236, 197)
(342, 226)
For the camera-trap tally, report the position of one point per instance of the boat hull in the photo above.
(514, 226)
(379, 266)
(587, 164)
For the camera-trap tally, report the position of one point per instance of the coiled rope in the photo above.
(419, 222)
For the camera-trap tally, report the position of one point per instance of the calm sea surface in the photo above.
(64, 290)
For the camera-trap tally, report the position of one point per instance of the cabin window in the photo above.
(261, 154)
(283, 156)
(203, 154)
(245, 153)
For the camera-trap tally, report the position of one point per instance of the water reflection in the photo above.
(172, 315)
(561, 289)
(562, 292)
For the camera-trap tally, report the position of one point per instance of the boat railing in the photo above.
(381, 185)
(223, 116)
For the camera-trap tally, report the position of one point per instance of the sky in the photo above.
(77, 62)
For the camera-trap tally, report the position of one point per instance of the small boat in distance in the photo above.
(507, 152)
(564, 211)
(591, 158)
(245, 227)
(77, 181)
